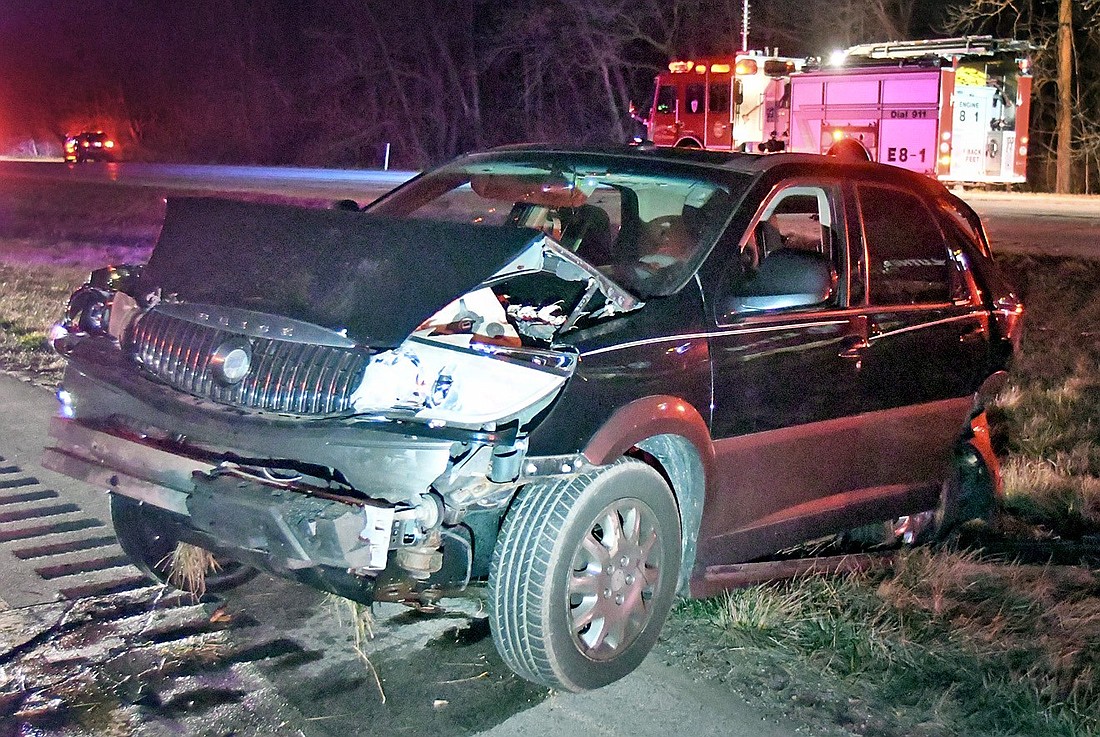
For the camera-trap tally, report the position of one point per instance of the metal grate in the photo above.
(290, 377)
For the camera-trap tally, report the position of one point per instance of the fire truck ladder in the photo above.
(942, 47)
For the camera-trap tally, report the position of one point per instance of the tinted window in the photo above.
(908, 262)
(719, 101)
(666, 99)
(693, 98)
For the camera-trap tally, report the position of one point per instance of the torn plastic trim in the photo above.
(546, 254)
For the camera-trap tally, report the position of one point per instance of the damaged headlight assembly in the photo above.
(462, 383)
(100, 307)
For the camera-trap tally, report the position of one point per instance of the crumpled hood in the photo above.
(376, 277)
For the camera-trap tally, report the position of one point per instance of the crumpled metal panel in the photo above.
(376, 277)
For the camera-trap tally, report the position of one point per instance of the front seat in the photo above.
(587, 232)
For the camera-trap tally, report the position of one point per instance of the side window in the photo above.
(794, 255)
(666, 99)
(719, 100)
(693, 97)
(967, 222)
(908, 261)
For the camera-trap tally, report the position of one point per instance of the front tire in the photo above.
(584, 574)
(149, 545)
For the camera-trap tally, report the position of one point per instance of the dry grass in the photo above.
(1044, 493)
(362, 624)
(943, 644)
(67, 224)
(188, 568)
(1047, 420)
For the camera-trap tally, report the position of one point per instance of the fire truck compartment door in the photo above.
(971, 117)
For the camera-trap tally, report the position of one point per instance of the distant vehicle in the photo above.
(589, 379)
(90, 146)
(955, 109)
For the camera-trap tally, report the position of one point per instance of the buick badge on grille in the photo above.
(231, 361)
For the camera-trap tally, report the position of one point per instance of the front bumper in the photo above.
(294, 525)
(350, 525)
(385, 462)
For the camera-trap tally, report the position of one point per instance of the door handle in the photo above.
(854, 346)
(856, 341)
(977, 335)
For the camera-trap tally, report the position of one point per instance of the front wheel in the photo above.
(584, 574)
(150, 545)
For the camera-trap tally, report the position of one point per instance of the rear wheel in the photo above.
(584, 574)
(849, 150)
(150, 547)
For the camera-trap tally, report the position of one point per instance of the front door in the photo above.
(693, 112)
(784, 384)
(720, 101)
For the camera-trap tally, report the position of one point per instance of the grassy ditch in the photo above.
(943, 644)
(1047, 421)
(32, 299)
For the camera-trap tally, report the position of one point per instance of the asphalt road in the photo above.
(1056, 225)
(1064, 225)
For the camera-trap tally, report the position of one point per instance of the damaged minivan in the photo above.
(578, 383)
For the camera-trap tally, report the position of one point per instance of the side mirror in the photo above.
(786, 278)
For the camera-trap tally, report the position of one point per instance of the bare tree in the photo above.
(838, 24)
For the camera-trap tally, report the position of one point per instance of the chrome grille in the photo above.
(285, 376)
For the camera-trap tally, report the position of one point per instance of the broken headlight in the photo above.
(451, 379)
(97, 308)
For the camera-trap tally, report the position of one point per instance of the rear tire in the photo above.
(149, 547)
(849, 150)
(584, 574)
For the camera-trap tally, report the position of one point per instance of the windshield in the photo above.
(646, 224)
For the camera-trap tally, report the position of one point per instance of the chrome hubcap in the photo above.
(615, 575)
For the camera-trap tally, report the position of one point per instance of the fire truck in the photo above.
(956, 108)
(732, 103)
